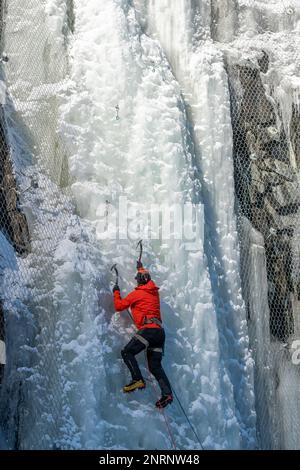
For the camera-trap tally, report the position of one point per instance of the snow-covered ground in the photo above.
(134, 104)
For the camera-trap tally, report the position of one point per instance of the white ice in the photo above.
(161, 63)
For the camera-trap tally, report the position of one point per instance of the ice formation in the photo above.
(119, 98)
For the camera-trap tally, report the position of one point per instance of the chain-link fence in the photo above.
(266, 166)
(266, 163)
(36, 214)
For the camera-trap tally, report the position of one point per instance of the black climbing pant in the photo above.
(152, 339)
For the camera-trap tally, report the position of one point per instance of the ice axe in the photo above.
(140, 245)
(114, 268)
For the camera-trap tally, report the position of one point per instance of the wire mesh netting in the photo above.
(266, 167)
(37, 213)
(267, 188)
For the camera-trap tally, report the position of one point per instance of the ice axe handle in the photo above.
(140, 244)
(114, 268)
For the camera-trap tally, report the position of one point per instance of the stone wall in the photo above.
(266, 184)
(13, 223)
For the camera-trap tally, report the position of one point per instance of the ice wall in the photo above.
(154, 152)
(183, 30)
(135, 103)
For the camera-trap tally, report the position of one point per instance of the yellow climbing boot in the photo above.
(135, 385)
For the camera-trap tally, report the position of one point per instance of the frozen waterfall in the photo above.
(130, 102)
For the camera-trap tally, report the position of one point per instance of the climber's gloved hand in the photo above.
(116, 288)
(139, 265)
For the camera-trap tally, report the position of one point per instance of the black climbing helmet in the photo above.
(142, 276)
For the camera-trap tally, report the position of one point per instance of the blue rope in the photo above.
(187, 418)
(176, 396)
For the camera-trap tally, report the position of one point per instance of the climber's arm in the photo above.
(123, 304)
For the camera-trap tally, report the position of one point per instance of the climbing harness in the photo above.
(142, 340)
(146, 343)
(148, 321)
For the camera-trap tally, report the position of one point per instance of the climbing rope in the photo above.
(163, 411)
(173, 443)
(187, 418)
(153, 385)
(168, 427)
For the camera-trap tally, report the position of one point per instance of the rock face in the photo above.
(12, 222)
(2, 345)
(70, 16)
(295, 135)
(266, 184)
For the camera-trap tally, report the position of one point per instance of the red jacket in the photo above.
(143, 301)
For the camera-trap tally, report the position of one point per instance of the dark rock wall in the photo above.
(266, 183)
(13, 223)
(2, 339)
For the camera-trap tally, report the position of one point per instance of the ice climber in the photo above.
(150, 335)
